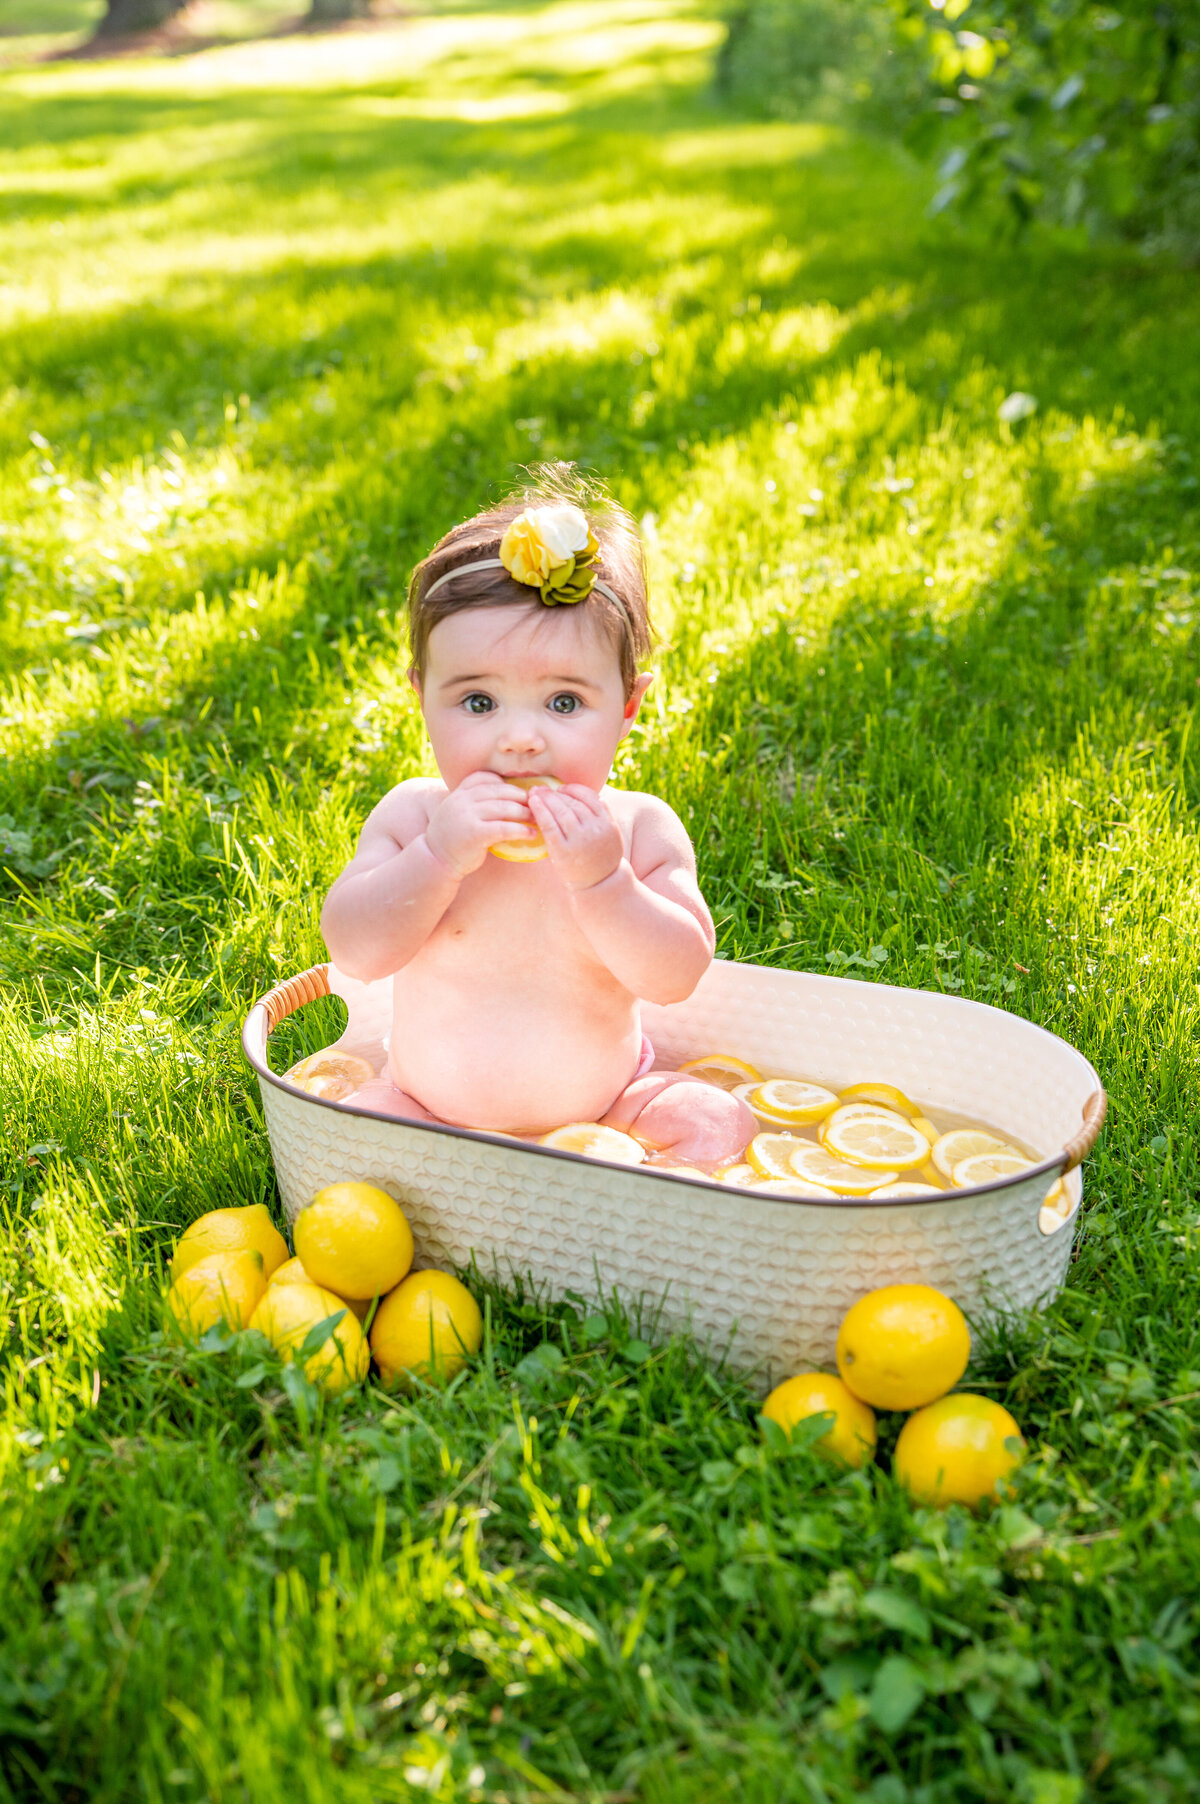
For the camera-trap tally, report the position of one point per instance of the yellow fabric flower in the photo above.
(550, 548)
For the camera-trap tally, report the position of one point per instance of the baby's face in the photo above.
(525, 691)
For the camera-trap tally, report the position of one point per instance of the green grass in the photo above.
(273, 318)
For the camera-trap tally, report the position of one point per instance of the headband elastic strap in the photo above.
(495, 563)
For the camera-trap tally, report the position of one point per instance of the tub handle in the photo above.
(1078, 1148)
(293, 993)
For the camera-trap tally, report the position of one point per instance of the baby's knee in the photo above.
(693, 1121)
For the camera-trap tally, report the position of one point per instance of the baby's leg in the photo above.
(382, 1095)
(694, 1122)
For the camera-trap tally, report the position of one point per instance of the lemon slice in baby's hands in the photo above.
(722, 1069)
(596, 1142)
(880, 1140)
(530, 849)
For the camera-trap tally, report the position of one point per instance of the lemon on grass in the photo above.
(287, 1316)
(533, 846)
(596, 1142)
(246, 1230)
(354, 1240)
(986, 1168)
(333, 1075)
(850, 1437)
(902, 1346)
(429, 1327)
(963, 1143)
(791, 1102)
(821, 1167)
(886, 1095)
(222, 1287)
(957, 1450)
(293, 1272)
(881, 1142)
(722, 1069)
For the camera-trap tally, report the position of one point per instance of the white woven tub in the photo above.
(766, 1278)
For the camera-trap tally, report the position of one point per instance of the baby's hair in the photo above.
(622, 568)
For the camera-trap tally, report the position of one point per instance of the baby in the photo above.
(517, 978)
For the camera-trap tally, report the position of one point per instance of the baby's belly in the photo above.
(515, 1062)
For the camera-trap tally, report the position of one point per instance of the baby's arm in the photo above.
(413, 853)
(643, 915)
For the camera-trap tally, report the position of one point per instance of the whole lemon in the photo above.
(287, 1314)
(902, 1346)
(850, 1438)
(231, 1231)
(956, 1451)
(292, 1272)
(430, 1325)
(224, 1287)
(354, 1239)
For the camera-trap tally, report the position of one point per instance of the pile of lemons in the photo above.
(905, 1347)
(347, 1296)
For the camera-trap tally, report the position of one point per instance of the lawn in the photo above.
(273, 317)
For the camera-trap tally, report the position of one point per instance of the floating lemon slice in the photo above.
(924, 1126)
(684, 1171)
(791, 1101)
(797, 1188)
(525, 851)
(880, 1142)
(868, 1135)
(858, 1111)
(333, 1075)
(743, 1174)
(595, 1142)
(963, 1143)
(818, 1166)
(1056, 1209)
(893, 1192)
(986, 1168)
(770, 1155)
(886, 1095)
(722, 1069)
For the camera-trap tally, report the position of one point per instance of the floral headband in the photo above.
(551, 549)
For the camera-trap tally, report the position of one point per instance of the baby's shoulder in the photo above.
(653, 826)
(404, 811)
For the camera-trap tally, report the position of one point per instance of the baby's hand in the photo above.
(582, 839)
(483, 809)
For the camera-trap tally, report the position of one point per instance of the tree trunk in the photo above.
(329, 12)
(136, 15)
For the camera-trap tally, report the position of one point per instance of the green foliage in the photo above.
(927, 699)
(1074, 113)
(1063, 110)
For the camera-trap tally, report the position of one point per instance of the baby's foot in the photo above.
(693, 1122)
(382, 1095)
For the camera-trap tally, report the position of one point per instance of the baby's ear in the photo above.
(636, 698)
(414, 678)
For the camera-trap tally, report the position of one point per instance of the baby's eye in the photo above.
(478, 703)
(565, 704)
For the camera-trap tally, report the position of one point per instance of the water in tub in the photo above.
(868, 1140)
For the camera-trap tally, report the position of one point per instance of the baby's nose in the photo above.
(522, 732)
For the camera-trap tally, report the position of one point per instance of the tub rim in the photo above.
(294, 993)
